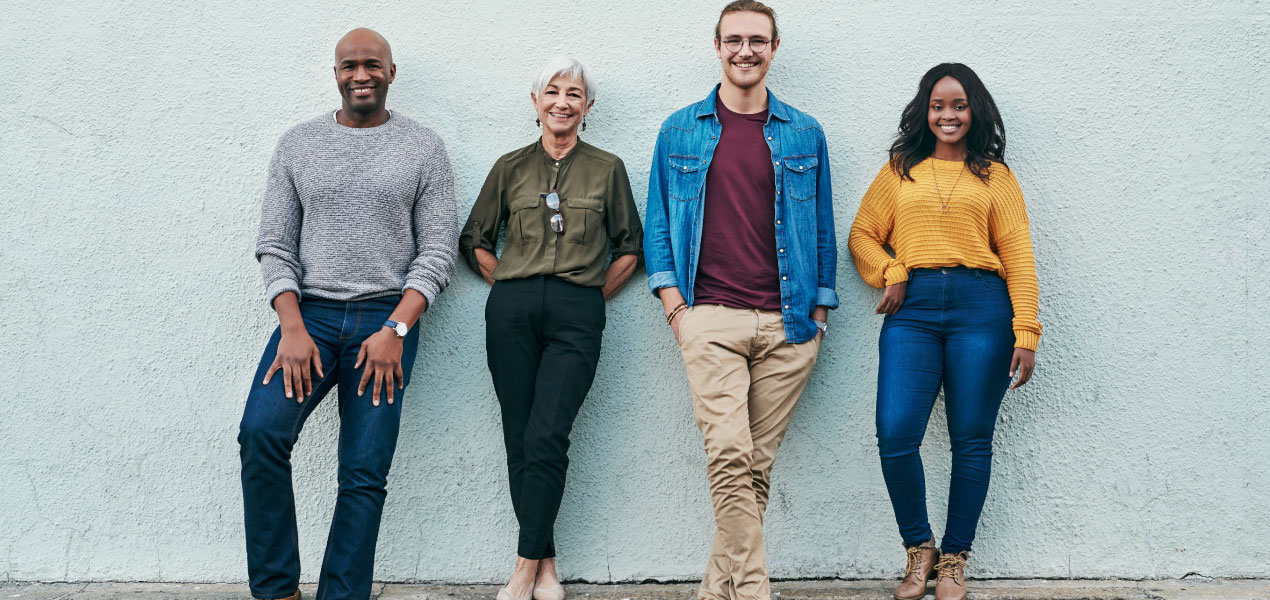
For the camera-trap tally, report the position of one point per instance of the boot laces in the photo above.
(948, 564)
(914, 557)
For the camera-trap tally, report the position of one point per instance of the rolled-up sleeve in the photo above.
(826, 234)
(626, 232)
(488, 212)
(659, 259)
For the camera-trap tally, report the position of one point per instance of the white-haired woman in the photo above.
(572, 240)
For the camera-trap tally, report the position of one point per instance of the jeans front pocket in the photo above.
(993, 281)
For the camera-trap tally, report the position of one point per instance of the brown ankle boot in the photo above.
(919, 570)
(951, 582)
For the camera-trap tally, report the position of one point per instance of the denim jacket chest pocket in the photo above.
(583, 220)
(524, 219)
(687, 176)
(801, 172)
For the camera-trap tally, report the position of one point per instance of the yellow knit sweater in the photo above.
(985, 227)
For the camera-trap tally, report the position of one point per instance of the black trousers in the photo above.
(542, 337)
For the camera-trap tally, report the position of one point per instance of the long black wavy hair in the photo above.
(985, 142)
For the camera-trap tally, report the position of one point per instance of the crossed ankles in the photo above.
(950, 583)
(553, 592)
(926, 562)
(919, 569)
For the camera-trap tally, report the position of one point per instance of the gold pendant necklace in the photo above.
(943, 203)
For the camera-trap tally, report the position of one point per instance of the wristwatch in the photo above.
(822, 326)
(398, 328)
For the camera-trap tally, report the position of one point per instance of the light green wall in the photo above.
(135, 138)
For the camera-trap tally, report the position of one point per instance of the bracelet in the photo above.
(671, 317)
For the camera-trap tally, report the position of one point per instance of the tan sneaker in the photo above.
(919, 570)
(951, 582)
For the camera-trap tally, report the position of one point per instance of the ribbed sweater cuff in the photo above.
(429, 289)
(894, 274)
(280, 286)
(1026, 339)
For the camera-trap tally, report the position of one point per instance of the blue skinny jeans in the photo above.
(367, 440)
(954, 329)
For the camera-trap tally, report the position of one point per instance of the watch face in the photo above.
(401, 329)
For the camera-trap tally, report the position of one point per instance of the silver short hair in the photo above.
(568, 67)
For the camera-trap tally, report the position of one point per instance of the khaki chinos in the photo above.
(745, 382)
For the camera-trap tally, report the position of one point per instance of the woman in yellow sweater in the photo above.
(960, 306)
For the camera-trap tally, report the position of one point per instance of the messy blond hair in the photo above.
(747, 6)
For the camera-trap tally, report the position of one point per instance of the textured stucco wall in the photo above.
(135, 138)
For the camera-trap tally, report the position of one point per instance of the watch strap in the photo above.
(391, 324)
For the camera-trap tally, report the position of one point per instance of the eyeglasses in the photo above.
(757, 45)
(553, 202)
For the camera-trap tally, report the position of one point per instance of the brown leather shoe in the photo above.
(919, 570)
(295, 596)
(951, 582)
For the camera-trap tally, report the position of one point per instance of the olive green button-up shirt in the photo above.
(600, 220)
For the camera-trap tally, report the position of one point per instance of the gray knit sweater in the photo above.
(351, 214)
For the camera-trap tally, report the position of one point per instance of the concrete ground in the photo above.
(1018, 589)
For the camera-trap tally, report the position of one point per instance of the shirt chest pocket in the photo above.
(686, 177)
(583, 220)
(524, 223)
(801, 173)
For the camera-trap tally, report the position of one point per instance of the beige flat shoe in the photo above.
(554, 593)
(503, 594)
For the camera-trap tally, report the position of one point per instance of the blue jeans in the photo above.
(954, 329)
(367, 439)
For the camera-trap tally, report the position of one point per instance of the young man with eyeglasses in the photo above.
(740, 248)
(357, 238)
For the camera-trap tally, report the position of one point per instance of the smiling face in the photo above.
(745, 68)
(363, 71)
(561, 105)
(949, 115)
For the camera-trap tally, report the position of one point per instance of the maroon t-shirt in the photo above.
(737, 265)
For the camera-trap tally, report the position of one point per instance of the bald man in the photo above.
(358, 236)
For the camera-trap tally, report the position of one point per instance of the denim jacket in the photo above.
(807, 249)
